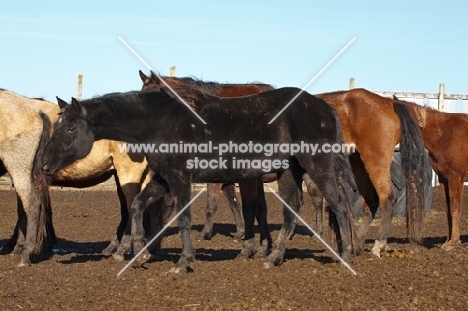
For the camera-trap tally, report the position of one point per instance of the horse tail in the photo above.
(155, 217)
(46, 233)
(346, 182)
(414, 163)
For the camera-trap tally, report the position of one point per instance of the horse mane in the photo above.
(419, 111)
(189, 93)
(421, 114)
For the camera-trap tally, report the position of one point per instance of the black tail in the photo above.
(45, 232)
(414, 163)
(346, 182)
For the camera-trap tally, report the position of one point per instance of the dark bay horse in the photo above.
(444, 135)
(375, 124)
(144, 117)
(213, 190)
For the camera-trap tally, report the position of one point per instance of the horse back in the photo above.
(364, 115)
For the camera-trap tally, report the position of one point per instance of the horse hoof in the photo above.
(450, 245)
(267, 265)
(108, 251)
(203, 236)
(447, 248)
(379, 246)
(118, 257)
(238, 235)
(24, 263)
(175, 270)
(261, 253)
(142, 259)
(242, 257)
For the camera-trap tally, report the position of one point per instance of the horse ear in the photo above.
(394, 97)
(62, 104)
(143, 77)
(154, 77)
(78, 108)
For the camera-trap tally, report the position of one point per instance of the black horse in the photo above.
(155, 118)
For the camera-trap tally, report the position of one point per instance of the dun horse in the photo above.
(144, 117)
(21, 136)
(130, 170)
(444, 136)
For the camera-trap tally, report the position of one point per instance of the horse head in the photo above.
(149, 82)
(72, 138)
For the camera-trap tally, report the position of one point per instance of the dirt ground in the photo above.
(78, 277)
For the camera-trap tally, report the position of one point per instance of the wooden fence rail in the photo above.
(441, 96)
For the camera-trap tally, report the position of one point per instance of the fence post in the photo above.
(441, 97)
(351, 83)
(80, 87)
(172, 71)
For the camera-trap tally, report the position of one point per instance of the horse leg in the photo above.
(179, 186)
(229, 191)
(19, 232)
(248, 190)
(370, 199)
(212, 201)
(377, 166)
(317, 201)
(124, 221)
(454, 195)
(153, 191)
(127, 193)
(332, 173)
(290, 186)
(28, 228)
(261, 216)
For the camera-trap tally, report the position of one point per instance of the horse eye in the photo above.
(71, 129)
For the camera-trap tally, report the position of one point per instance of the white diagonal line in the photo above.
(313, 79)
(315, 233)
(160, 232)
(159, 77)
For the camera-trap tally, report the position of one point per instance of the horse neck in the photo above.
(50, 109)
(115, 121)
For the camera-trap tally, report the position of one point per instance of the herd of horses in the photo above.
(77, 145)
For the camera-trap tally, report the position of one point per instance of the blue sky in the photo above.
(408, 46)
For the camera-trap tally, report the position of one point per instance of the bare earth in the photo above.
(77, 277)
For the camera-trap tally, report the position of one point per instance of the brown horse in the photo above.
(444, 136)
(375, 124)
